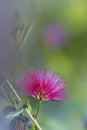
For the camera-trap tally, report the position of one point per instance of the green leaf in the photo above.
(14, 114)
(27, 32)
(20, 33)
(29, 108)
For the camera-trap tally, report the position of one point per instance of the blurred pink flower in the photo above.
(44, 85)
(55, 35)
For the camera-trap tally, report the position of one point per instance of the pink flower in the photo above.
(56, 35)
(44, 85)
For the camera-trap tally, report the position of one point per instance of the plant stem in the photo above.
(38, 109)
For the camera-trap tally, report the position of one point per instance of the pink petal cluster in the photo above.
(56, 34)
(44, 85)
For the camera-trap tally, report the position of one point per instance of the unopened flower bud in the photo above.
(20, 123)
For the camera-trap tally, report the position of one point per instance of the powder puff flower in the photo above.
(55, 35)
(44, 85)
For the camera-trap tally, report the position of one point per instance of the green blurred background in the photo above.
(68, 60)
